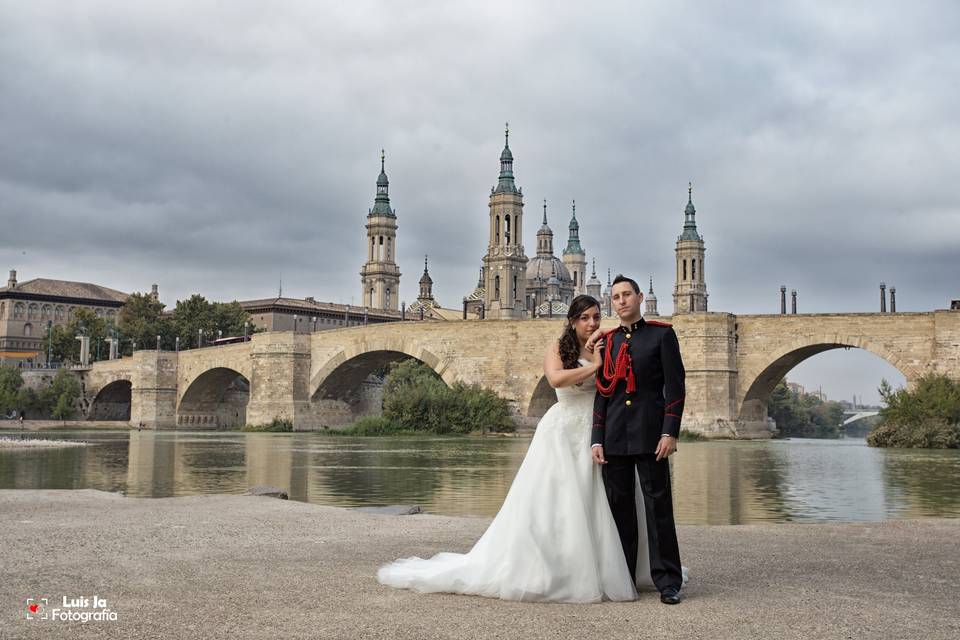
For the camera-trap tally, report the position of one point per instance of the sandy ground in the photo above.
(249, 567)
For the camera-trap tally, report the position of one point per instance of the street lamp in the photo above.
(158, 344)
(246, 326)
(219, 333)
(199, 338)
(295, 319)
(314, 318)
(176, 344)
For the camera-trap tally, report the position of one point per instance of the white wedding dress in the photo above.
(554, 539)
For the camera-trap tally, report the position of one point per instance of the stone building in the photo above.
(548, 279)
(651, 301)
(26, 309)
(380, 275)
(505, 263)
(307, 315)
(574, 257)
(690, 290)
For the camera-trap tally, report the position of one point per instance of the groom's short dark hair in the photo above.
(622, 278)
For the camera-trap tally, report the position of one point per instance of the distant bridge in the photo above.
(858, 415)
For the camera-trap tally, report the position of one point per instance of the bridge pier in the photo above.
(709, 345)
(280, 384)
(153, 392)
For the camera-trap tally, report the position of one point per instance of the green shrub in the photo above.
(277, 425)
(370, 426)
(927, 417)
(691, 436)
(415, 399)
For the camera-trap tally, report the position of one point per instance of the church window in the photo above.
(32, 312)
(514, 288)
(388, 299)
(389, 248)
(693, 269)
(684, 269)
(506, 229)
(496, 287)
(17, 311)
(373, 248)
(497, 231)
(371, 296)
(27, 330)
(574, 278)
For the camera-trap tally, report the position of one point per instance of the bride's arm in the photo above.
(559, 377)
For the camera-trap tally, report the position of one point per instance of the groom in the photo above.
(636, 422)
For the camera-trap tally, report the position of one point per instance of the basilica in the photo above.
(511, 285)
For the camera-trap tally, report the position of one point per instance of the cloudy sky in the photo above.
(215, 147)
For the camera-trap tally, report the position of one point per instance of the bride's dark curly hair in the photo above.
(569, 345)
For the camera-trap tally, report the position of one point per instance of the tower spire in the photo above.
(506, 183)
(381, 205)
(544, 212)
(573, 239)
(690, 217)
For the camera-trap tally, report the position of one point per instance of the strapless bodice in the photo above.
(578, 392)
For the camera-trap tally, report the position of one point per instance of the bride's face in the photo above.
(586, 323)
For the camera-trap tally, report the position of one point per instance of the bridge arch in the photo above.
(112, 401)
(346, 386)
(757, 383)
(215, 399)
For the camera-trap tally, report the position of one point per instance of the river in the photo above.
(722, 482)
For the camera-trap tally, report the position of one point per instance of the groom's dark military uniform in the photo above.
(629, 424)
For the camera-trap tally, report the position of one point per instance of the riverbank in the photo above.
(246, 567)
(48, 425)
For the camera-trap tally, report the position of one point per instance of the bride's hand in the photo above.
(592, 340)
(596, 356)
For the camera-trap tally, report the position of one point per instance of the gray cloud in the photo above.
(211, 147)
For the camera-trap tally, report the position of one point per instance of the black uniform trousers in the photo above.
(620, 483)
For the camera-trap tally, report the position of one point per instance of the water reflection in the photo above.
(714, 483)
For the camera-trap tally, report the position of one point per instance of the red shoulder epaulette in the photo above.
(658, 323)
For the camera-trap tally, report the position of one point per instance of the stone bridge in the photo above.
(322, 379)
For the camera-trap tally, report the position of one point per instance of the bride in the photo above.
(554, 538)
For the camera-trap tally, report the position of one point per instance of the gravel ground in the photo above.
(249, 567)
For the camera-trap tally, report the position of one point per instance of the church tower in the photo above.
(380, 276)
(690, 290)
(651, 301)
(574, 257)
(505, 264)
(594, 286)
(426, 286)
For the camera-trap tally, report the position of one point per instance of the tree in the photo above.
(141, 320)
(60, 398)
(195, 313)
(11, 381)
(62, 339)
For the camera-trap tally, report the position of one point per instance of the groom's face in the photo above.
(626, 301)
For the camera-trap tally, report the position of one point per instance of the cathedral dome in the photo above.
(543, 267)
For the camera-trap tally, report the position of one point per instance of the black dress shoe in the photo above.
(670, 595)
